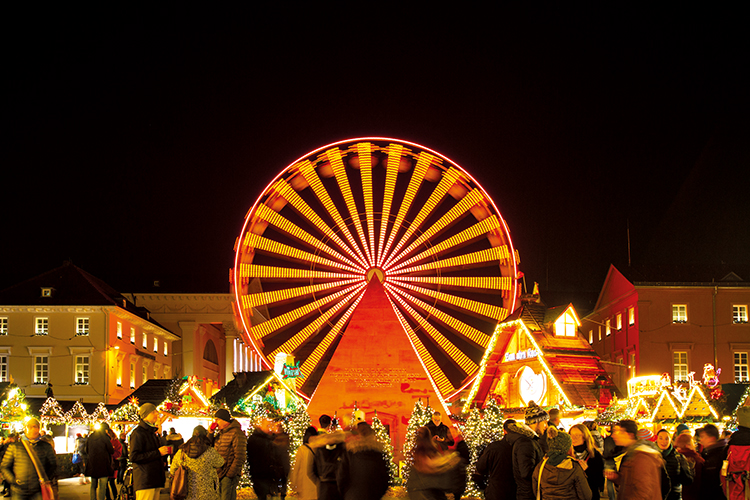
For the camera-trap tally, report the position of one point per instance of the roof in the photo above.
(35, 405)
(152, 391)
(240, 386)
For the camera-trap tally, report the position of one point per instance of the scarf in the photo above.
(32, 441)
(665, 453)
(581, 451)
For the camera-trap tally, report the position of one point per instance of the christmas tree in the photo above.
(295, 424)
(420, 416)
(13, 407)
(381, 433)
(481, 429)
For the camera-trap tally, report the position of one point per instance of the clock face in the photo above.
(531, 386)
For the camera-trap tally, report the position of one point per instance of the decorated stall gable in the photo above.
(640, 409)
(77, 415)
(665, 408)
(51, 413)
(698, 405)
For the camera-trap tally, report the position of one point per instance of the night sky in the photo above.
(136, 141)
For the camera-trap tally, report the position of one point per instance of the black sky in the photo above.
(136, 141)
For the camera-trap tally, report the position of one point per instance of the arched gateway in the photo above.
(383, 268)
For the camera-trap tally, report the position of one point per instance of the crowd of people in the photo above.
(535, 459)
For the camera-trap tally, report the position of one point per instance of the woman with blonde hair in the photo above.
(589, 457)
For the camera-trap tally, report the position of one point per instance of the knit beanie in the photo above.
(559, 443)
(145, 410)
(644, 435)
(682, 428)
(743, 416)
(535, 414)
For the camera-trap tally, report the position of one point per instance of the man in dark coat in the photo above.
(496, 466)
(231, 444)
(18, 468)
(99, 465)
(146, 454)
(441, 433)
(714, 453)
(527, 452)
(363, 471)
(327, 449)
(268, 460)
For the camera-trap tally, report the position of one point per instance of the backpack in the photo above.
(736, 483)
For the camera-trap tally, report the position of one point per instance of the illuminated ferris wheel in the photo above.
(375, 209)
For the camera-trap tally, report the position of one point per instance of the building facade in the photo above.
(73, 331)
(650, 328)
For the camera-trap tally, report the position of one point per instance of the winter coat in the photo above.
(231, 445)
(563, 481)
(639, 476)
(678, 471)
(99, 450)
(363, 470)
(302, 478)
(268, 460)
(201, 461)
(496, 465)
(81, 446)
(442, 431)
(19, 471)
(694, 461)
(714, 457)
(148, 466)
(527, 453)
(328, 449)
(738, 456)
(594, 471)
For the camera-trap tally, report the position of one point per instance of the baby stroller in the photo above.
(126, 488)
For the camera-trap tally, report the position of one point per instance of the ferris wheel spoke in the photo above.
(480, 308)
(457, 356)
(480, 228)
(450, 177)
(267, 298)
(273, 247)
(444, 385)
(337, 164)
(498, 253)
(364, 150)
(454, 214)
(394, 152)
(272, 326)
(276, 272)
(307, 170)
(313, 359)
(285, 225)
(303, 335)
(470, 333)
(295, 200)
(478, 283)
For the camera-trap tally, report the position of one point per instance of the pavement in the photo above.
(71, 489)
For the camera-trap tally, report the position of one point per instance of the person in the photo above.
(302, 478)
(464, 454)
(55, 487)
(639, 476)
(99, 466)
(231, 445)
(363, 471)
(558, 475)
(714, 453)
(527, 451)
(589, 458)
(175, 440)
(595, 433)
(677, 467)
(612, 455)
(325, 423)
(431, 472)
(81, 450)
(554, 421)
(146, 454)
(117, 447)
(441, 433)
(685, 445)
(495, 466)
(6, 442)
(18, 468)
(122, 462)
(201, 460)
(328, 449)
(736, 484)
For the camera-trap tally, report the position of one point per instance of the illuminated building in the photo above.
(647, 328)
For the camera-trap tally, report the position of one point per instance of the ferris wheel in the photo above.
(375, 209)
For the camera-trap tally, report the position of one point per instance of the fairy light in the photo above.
(266, 298)
(664, 395)
(480, 257)
(487, 310)
(256, 271)
(394, 152)
(483, 283)
(254, 241)
(482, 367)
(365, 172)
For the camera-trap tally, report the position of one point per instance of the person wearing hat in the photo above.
(99, 465)
(527, 451)
(231, 444)
(640, 474)
(146, 455)
(18, 468)
(558, 475)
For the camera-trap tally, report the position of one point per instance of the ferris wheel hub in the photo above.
(375, 272)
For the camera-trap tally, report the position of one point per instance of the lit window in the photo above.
(608, 327)
(144, 374)
(166, 349)
(679, 313)
(631, 316)
(41, 369)
(739, 314)
(119, 373)
(680, 364)
(565, 326)
(740, 367)
(600, 333)
(619, 321)
(132, 335)
(632, 364)
(156, 345)
(591, 336)
(82, 326)
(3, 326)
(145, 341)
(132, 375)
(119, 330)
(42, 326)
(82, 370)
(3, 368)
(47, 291)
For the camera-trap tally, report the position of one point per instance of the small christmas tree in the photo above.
(13, 407)
(481, 429)
(381, 433)
(420, 416)
(295, 424)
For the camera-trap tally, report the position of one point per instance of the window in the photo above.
(3, 368)
(3, 326)
(132, 335)
(608, 327)
(144, 374)
(41, 369)
(156, 345)
(739, 314)
(119, 330)
(565, 326)
(132, 375)
(42, 326)
(680, 363)
(740, 367)
(119, 373)
(619, 321)
(166, 349)
(145, 341)
(47, 291)
(82, 326)
(591, 336)
(679, 314)
(82, 370)
(631, 316)
(600, 333)
(632, 364)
